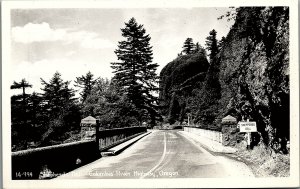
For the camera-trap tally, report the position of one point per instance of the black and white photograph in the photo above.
(148, 94)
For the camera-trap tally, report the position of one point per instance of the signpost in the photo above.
(188, 114)
(247, 127)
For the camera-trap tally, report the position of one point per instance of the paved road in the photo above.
(162, 154)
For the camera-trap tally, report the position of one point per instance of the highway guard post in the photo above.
(229, 131)
(247, 127)
(90, 129)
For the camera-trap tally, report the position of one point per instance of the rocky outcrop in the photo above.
(254, 73)
(248, 79)
(177, 79)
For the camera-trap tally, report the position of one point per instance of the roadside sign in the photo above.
(247, 126)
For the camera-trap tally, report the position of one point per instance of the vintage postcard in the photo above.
(150, 94)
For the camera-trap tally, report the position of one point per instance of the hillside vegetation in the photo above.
(248, 78)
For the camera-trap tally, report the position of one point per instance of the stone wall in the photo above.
(209, 134)
(229, 136)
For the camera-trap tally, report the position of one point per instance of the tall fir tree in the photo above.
(188, 46)
(135, 72)
(22, 85)
(62, 111)
(212, 44)
(86, 83)
(221, 43)
(57, 94)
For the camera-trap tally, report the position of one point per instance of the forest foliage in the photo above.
(53, 116)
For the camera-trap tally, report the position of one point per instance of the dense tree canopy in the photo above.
(61, 107)
(111, 107)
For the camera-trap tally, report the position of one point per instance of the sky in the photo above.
(75, 41)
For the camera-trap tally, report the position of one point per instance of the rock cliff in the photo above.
(248, 79)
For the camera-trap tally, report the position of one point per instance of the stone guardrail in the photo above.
(227, 135)
(46, 162)
(51, 161)
(209, 134)
(167, 127)
(112, 137)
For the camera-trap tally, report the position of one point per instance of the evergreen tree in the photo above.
(21, 85)
(57, 94)
(86, 83)
(25, 119)
(135, 72)
(188, 46)
(110, 106)
(35, 108)
(212, 44)
(199, 49)
(221, 43)
(37, 116)
(62, 112)
(91, 104)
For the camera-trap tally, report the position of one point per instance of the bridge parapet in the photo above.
(216, 136)
(227, 135)
(51, 161)
(112, 137)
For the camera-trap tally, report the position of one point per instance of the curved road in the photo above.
(162, 154)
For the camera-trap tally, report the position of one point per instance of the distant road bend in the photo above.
(162, 154)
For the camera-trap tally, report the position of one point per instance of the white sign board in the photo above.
(247, 126)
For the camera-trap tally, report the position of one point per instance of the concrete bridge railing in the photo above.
(216, 136)
(227, 136)
(51, 161)
(112, 137)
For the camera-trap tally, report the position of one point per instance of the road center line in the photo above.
(161, 159)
